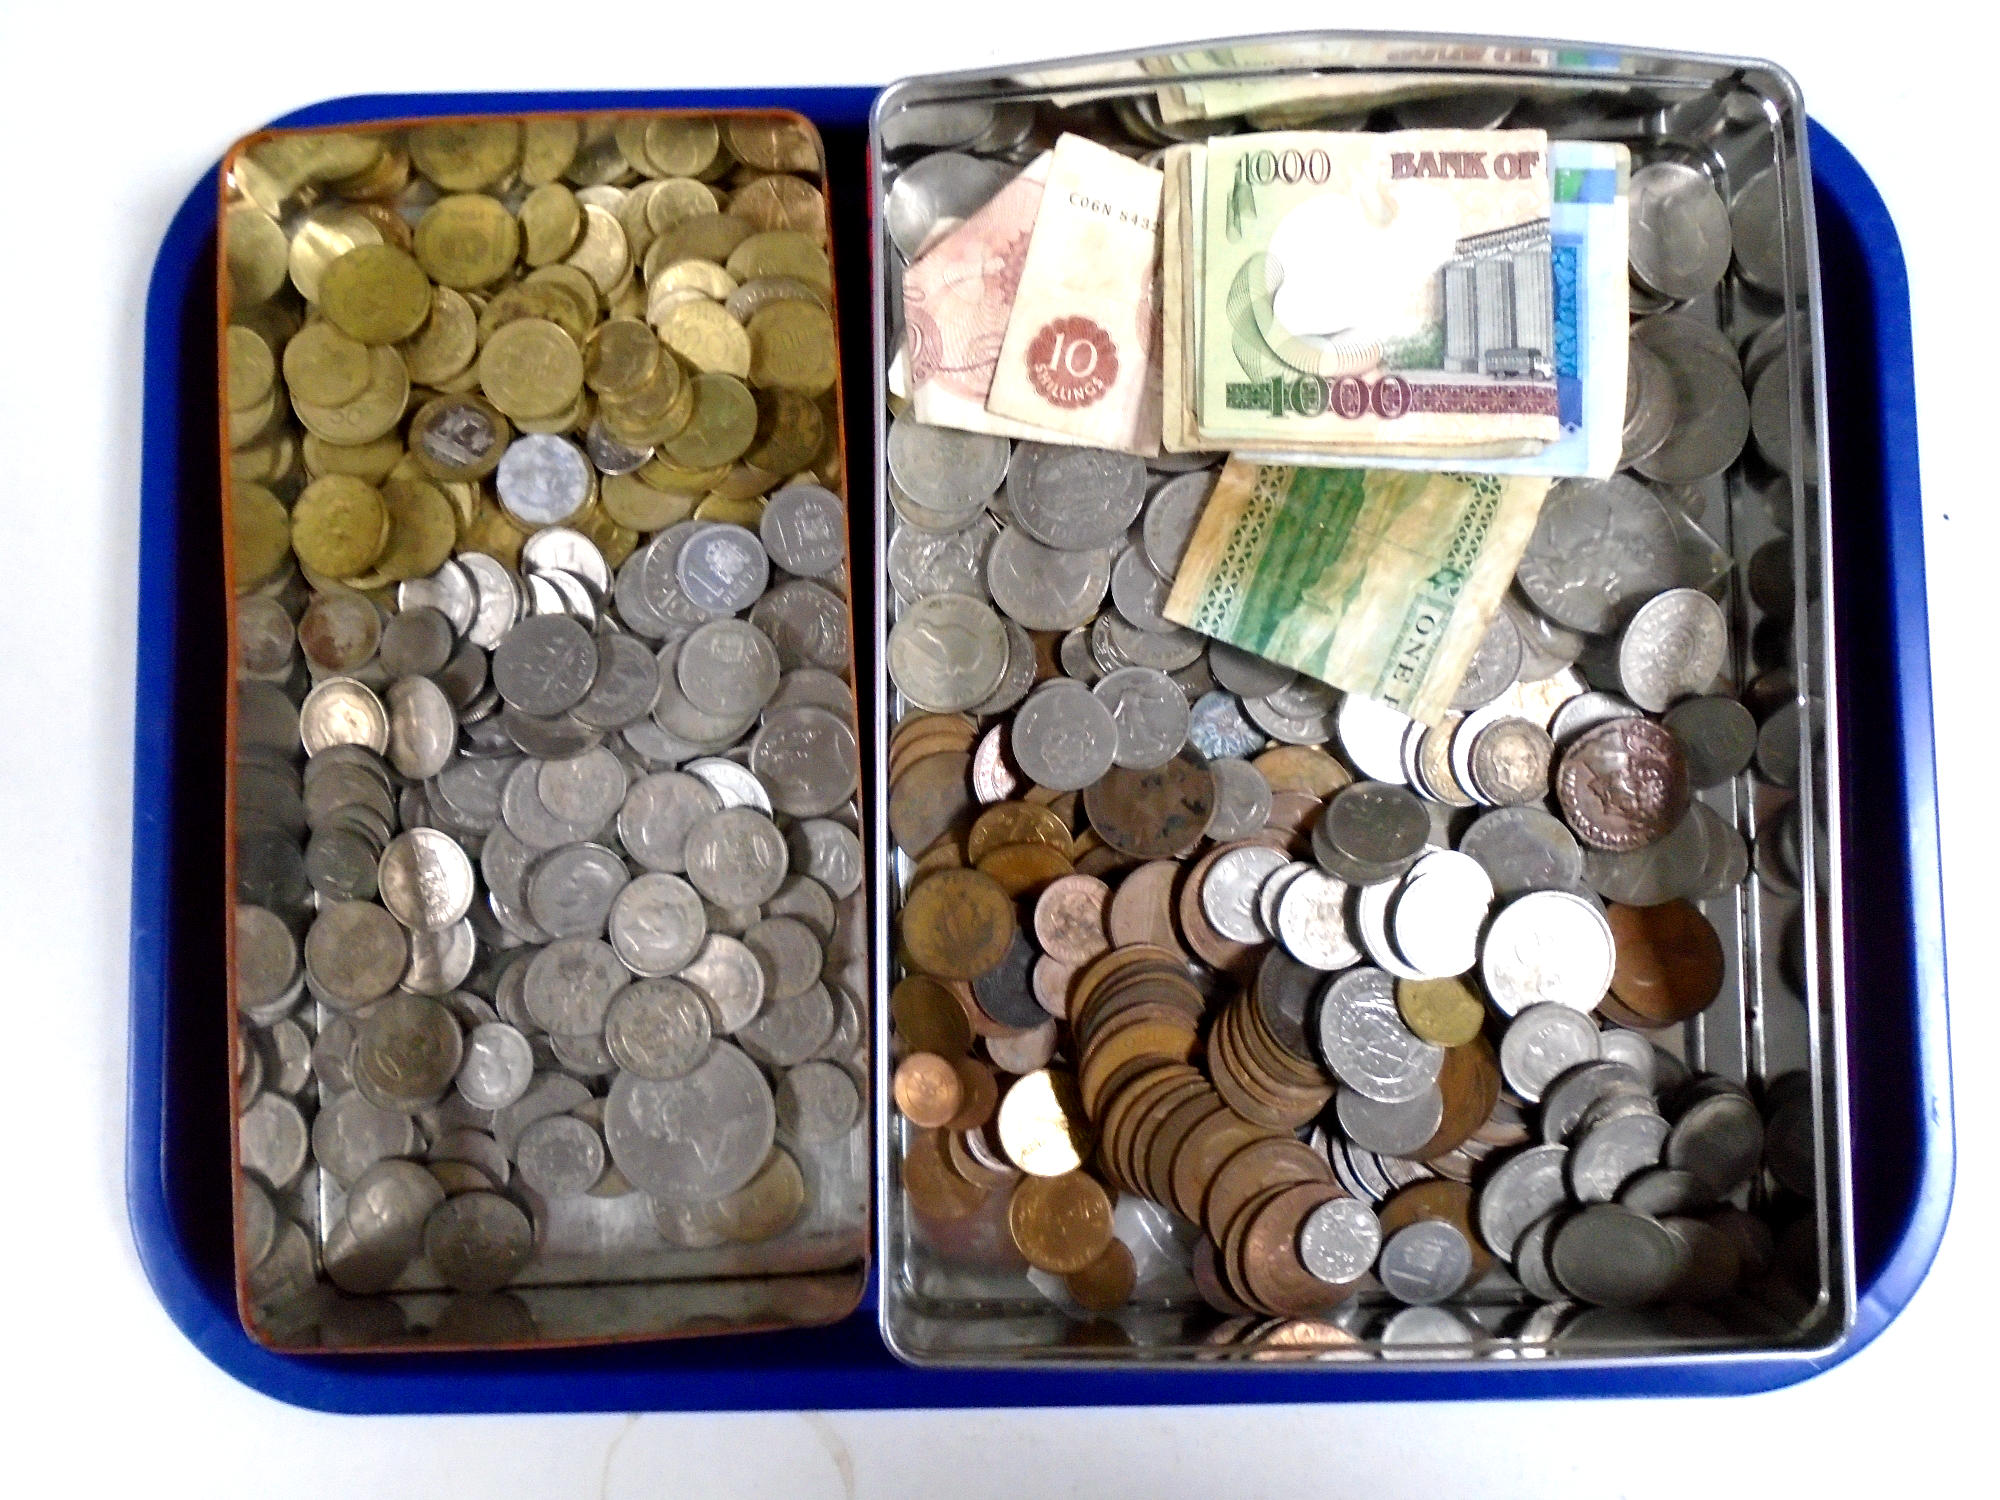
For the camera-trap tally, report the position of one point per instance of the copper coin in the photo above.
(958, 924)
(1670, 962)
(1069, 919)
(1157, 1170)
(917, 724)
(1303, 768)
(1293, 815)
(929, 800)
(1051, 983)
(936, 1191)
(1016, 823)
(1138, 1143)
(1623, 785)
(1141, 910)
(1159, 1039)
(1208, 1280)
(1230, 1259)
(1470, 1082)
(1275, 1161)
(1156, 814)
(1201, 1155)
(1449, 1202)
(1060, 1224)
(1272, 1271)
(1025, 869)
(1126, 1104)
(978, 1093)
(929, 1017)
(1107, 1282)
(926, 1089)
(943, 855)
(910, 749)
(995, 777)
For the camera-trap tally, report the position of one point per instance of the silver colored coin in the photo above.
(497, 1068)
(440, 961)
(1613, 1257)
(1672, 647)
(1649, 404)
(265, 638)
(807, 623)
(1630, 1048)
(341, 711)
(1389, 1129)
(585, 790)
(817, 1102)
(1365, 1043)
(935, 124)
(271, 1139)
(1495, 666)
(1667, 869)
(785, 1033)
(1125, 644)
(349, 1135)
(1437, 912)
(1150, 713)
(1585, 712)
(1771, 415)
(1371, 928)
(1042, 587)
(735, 784)
(498, 604)
(1424, 1328)
(1019, 676)
(1140, 593)
(543, 479)
(423, 728)
(947, 653)
(1170, 520)
(425, 880)
(339, 631)
(1242, 800)
(1229, 891)
(828, 852)
(545, 665)
(608, 455)
(1063, 737)
(1680, 232)
(564, 550)
(1074, 498)
(946, 185)
(1531, 1260)
(943, 468)
(1728, 861)
(1605, 1157)
(1269, 895)
(1507, 761)
(1246, 674)
(478, 1242)
(728, 667)
(1524, 849)
(790, 954)
(528, 818)
(1424, 1263)
(560, 1157)
(723, 568)
(736, 857)
(808, 760)
(416, 642)
(551, 592)
(1600, 547)
(659, 1029)
(570, 983)
(1541, 1044)
(355, 952)
(1527, 1186)
(571, 890)
(656, 924)
(804, 529)
(694, 1138)
(406, 1052)
(267, 958)
(1339, 1241)
(1074, 656)
(1720, 1139)
(1547, 946)
(1371, 732)
(923, 563)
(1312, 922)
(1718, 736)
(805, 898)
(913, 512)
(551, 1093)
(1376, 827)
(469, 790)
(814, 686)
(1756, 224)
(1711, 410)
(729, 980)
(1219, 729)
(381, 1226)
(657, 815)
(1588, 1092)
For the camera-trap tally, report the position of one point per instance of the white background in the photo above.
(109, 116)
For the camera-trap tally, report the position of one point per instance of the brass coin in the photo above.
(1303, 768)
(702, 237)
(705, 336)
(339, 525)
(371, 460)
(458, 438)
(260, 534)
(691, 275)
(531, 368)
(917, 722)
(615, 541)
(928, 800)
(926, 1089)
(1446, 1011)
(372, 414)
(792, 346)
(789, 432)
(781, 252)
(251, 370)
(1024, 869)
(683, 145)
(1106, 1283)
(423, 528)
(1041, 1124)
(495, 533)
(1060, 1224)
(1016, 823)
(465, 155)
(1670, 963)
(467, 240)
(633, 503)
(443, 348)
(376, 293)
(781, 202)
(775, 142)
(675, 200)
(601, 253)
(929, 1017)
(958, 924)
(655, 410)
(326, 232)
(767, 1205)
(577, 291)
(746, 513)
(547, 147)
(256, 253)
(551, 220)
(935, 1190)
(978, 1093)
(1156, 814)
(620, 356)
(723, 424)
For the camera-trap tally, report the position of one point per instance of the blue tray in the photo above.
(177, 1153)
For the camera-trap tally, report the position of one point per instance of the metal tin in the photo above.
(178, 1183)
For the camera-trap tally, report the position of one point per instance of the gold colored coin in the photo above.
(684, 146)
(767, 1205)
(380, 181)
(371, 460)
(578, 289)
(1024, 869)
(327, 232)
(722, 426)
(326, 367)
(630, 133)
(929, 1017)
(376, 293)
(547, 147)
(443, 348)
(775, 143)
(675, 200)
(630, 501)
(551, 220)
(1445, 1011)
(267, 462)
(782, 252)
(631, 214)
(703, 237)
(781, 202)
(252, 423)
(616, 542)
(692, 274)
(745, 481)
(620, 356)
(662, 472)
(926, 1089)
(256, 252)
(468, 240)
(601, 254)
(495, 533)
(373, 413)
(657, 409)
(704, 335)
(531, 368)
(423, 527)
(1017, 823)
(340, 525)
(572, 418)
(1042, 1126)
(1302, 768)
(1060, 1224)
(260, 532)
(251, 370)
(544, 300)
(1106, 1284)
(744, 512)
(958, 924)
(792, 346)
(789, 432)
(466, 155)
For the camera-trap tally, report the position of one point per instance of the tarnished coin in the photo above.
(1712, 412)
(1508, 762)
(808, 760)
(1524, 849)
(1673, 647)
(478, 1242)
(1074, 498)
(948, 652)
(1670, 963)
(1064, 737)
(944, 468)
(1718, 738)
(569, 985)
(355, 952)
(1156, 814)
(545, 665)
(406, 1053)
(817, 1102)
(1543, 1042)
(695, 1137)
(1042, 587)
(1613, 1257)
(1600, 547)
(958, 924)
(1219, 728)
(737, 857)
(1623, 784)
(423, 728)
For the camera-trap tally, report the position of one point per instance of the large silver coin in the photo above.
(1614, 1257)
(943, 468)
(944, 186)
(1680, 239)
(1548, 946)
(1365, 1043)
(1541, 1044)
(1141, 594)
(1063, 738)
(657, 814)
(1600, 547)
(1524, 849)
(1045, 588)
(1150, 712)
(1756, 225)
(728, 667)
(694, 1138)
(1711, 410)
(1523, 1188)
(1170, 520)
(922, 563)
(571, 891)
(808, 760)
(737, 857)
(1074, 498)
(948, 653)
(478, 1242)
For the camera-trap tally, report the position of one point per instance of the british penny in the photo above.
(1156, 814)
(935, 1191)
(958, 924)
(1060, 1224)
(926, 1089)
(1670, 963)
(932, 796)
(1107, 1282)
(1069, 919)
(1273, 1274)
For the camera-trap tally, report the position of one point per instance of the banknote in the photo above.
(1080, 356)
(1591, 311)
(1372, 292)
(1376, 581)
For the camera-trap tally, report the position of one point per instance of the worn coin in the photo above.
(1065, 738)
(1673, 647)
(1623, 784)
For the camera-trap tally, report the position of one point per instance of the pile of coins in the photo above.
(1363, 1002)
(548, 946)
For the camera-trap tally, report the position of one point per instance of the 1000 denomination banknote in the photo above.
(1388, 290)
(1379, 582)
